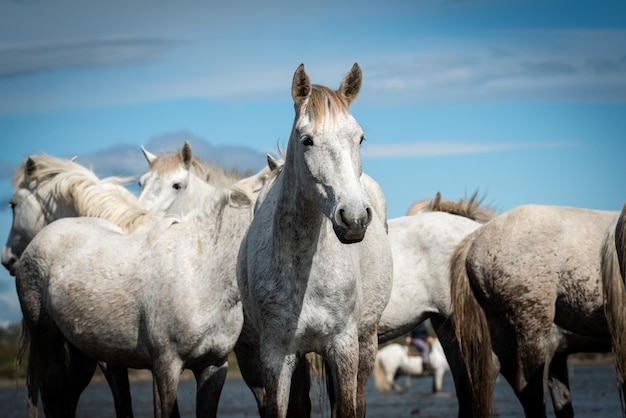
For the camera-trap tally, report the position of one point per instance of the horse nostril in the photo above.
(342, 218)
(368, 216)
(360, 222)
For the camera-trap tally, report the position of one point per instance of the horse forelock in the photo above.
(324, 103)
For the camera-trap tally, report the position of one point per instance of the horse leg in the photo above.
(249, 361)
(368, 346)
(299, 396)
(117, 378)
(532, 395)
(81, 369)
(166, 372)
(49, 354)
(278, 367)
(210, 382)
(343, 361)
(558, 383)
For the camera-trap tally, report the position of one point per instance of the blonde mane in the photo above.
(324, 103)
(471, 208)
(106, 198)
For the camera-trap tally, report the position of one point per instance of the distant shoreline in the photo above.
(143, 375)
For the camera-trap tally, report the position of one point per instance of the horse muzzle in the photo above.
(351, 228)
(9, 260)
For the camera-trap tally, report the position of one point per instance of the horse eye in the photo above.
(177, 186)
(362, 139)
(307, 140)
(139, 184)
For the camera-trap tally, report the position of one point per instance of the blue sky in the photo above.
(524, 101)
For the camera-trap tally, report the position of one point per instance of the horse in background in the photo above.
(422, 246)
(315, 266)
(393, 360)
(181, 312)
(48, 189)
(472, 208)
(526, 293)
(169, 175)
(613, 273)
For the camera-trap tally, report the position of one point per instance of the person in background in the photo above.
(421, 338)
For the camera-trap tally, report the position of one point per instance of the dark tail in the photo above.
(472, 334)
(33, 377)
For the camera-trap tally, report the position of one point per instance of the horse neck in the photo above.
(298, 219)
(54, 207)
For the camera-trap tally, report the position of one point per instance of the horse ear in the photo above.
(186, 155)
(434, 204)
(30, 167)
(272, 162)
(351, 84)
(150, 157)
(301, 86)
(238, 198)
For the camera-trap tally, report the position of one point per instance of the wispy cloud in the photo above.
(20, 60)
(448, 148)
(565, 65)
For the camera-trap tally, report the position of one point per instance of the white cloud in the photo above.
(446, 148)
(19, 60)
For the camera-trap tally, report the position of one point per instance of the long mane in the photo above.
(105, 198)
(471, 208)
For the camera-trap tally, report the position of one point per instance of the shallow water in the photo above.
(594, 394)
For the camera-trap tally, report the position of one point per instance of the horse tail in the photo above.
(472, 334)
(33, 381)
(380, 377)
(615, 299)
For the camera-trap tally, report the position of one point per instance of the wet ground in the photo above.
(594, 393)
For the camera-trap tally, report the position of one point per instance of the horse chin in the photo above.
(349, 235)
(12, 269)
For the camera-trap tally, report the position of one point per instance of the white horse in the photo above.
(49, 188)
(527, 291)
(393, 361)
(315, 267)
(422, 245)
(169, 176)
(164, 299)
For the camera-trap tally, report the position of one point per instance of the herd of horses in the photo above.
(300, 258)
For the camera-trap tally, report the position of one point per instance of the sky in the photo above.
(523, 101)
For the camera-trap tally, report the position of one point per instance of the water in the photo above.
(594, 394)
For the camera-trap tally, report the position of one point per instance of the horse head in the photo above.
(324, 147)
(35, 203)
(49, 188)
